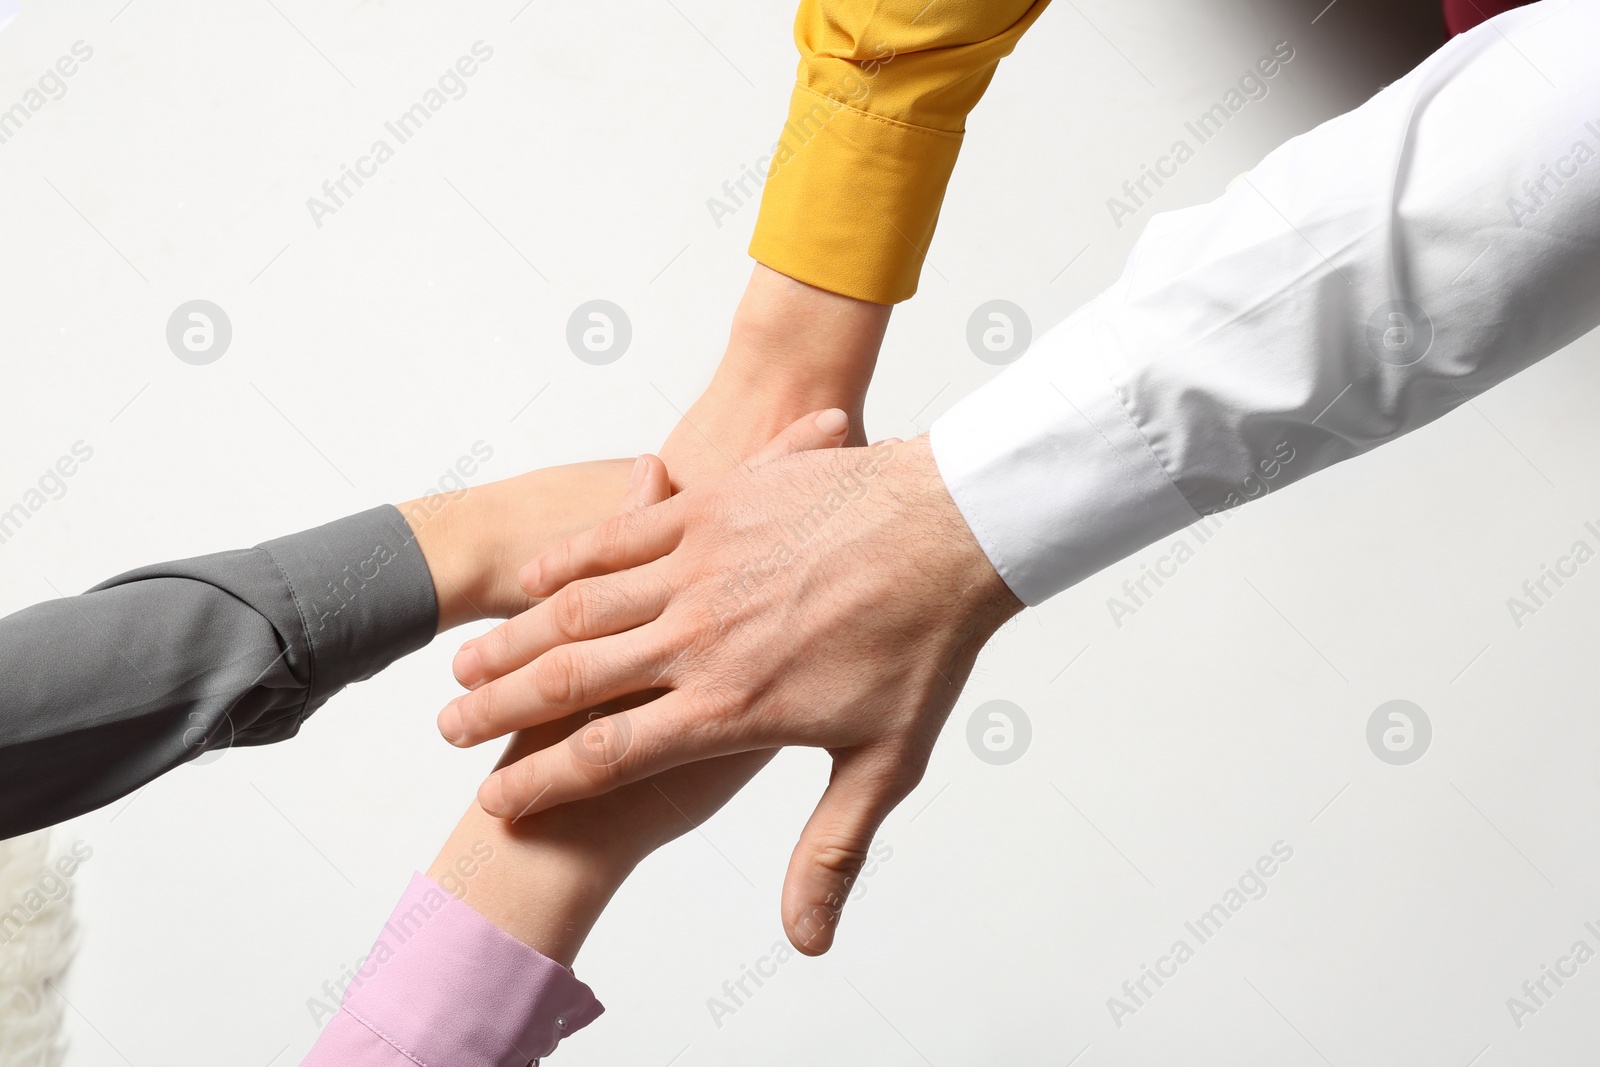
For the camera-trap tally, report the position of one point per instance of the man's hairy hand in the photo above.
(831, 599)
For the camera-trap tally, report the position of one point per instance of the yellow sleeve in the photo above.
(875, 124)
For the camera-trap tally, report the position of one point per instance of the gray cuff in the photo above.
(363, 593)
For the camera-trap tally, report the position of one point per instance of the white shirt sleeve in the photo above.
(1366, 278)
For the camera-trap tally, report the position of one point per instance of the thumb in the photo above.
(648, 484)
(833, 847)
(820, 429)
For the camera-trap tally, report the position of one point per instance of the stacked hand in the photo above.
(826, 598)
(563, 863)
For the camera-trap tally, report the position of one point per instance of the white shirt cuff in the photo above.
(1050, 472)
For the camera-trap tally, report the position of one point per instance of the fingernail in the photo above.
(468, 667)
(833, 422)
(640, 467)
(450, 723)
(492, 795)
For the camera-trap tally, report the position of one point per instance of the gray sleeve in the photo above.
(101, 693)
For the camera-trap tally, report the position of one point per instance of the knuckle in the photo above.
(500, 645)
(572, 611)
(906, 772)
(905, 784)
(843, 864)
(526, 774)
(897, 780)
(612, 773)
(708, 723)
(521, 781)
(561, 559)
(728, 693)
(667, 661)
(839, 854)
(611, 541)
(716, 725)
(604, 748)
(558, 679)
(478, 709)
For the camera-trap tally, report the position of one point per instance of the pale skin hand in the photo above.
(550, 874)
(829, 599)
(475, 539)
(793, 349)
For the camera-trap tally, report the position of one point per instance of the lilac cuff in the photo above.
(445, 987)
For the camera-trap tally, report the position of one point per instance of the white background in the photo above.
(1228, 714)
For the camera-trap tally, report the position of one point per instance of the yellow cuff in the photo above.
(852, 199)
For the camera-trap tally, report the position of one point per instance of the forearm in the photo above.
(474, 965)
(1365, 279)
(105, 691)
(545, 892)
(792, 337)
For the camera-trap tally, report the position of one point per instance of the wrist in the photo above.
(790, 337)
(452, 543)
(475, 540)
(951, 551)
(543, 892)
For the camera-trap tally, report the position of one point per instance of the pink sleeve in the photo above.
(445, 987)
